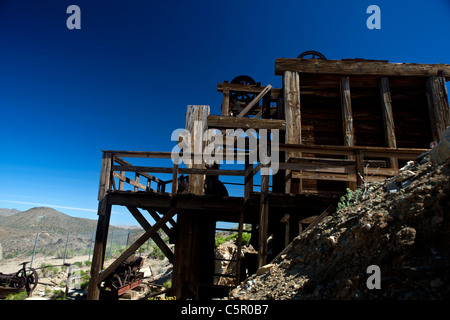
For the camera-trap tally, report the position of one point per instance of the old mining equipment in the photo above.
(239, 99)
(125, 277)
(24, 279)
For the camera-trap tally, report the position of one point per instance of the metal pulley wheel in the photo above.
(311, 55)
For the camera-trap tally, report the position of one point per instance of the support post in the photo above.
(438, 105)
(388, 118)
(291, 98)
(359, 155)
(98, 257)
(226, 103)
(196, 125)
(263, 221)
(347, 118)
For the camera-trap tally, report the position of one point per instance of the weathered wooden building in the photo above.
(341, 123)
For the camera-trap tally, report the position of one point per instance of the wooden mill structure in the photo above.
(341, 123)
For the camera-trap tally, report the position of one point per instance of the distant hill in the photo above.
(46, 219)
(7, 212)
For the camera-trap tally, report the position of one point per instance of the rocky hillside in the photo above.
(401, 225)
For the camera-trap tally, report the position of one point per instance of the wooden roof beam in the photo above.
(360, 67)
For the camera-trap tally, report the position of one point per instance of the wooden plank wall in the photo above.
(394, 111)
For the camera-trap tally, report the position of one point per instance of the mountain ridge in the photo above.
(46, 219)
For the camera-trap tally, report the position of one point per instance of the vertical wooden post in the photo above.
(174, 179)
(359, 155)
(347, 118)
(239, 247)
(388, 118)
(136, 179)
(101, 236)
(263, 221)
(98, 257)
(196, 125)
(438, 105)
(292, 112)
(226, 103)
(266, 105)
(279, 179)
(347, 115)
(248, 178)
(120, 181)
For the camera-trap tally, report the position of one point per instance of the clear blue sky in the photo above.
(124, 80)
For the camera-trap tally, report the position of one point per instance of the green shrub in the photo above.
(349, 199)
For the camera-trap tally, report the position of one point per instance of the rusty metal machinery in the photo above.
(24, 279)
(125, 277)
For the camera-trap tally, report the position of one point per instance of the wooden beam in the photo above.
(156, 217)
(325, 168)
(263, 221)
(226, 103)
(213, 172)
(359, 156)
(221, 87)
(98, 257)
(401, 153)
(155, 237)
(196, 125)
(244, 123)
(140, 154)
(175, 178)
(359, 67)
(291, 85)
(144, 174)
(350, 177)
(438, 105)
(347, 114)
(105, 175)
(347, 119)
(135, 184)
(388, 118)
(254, 101)
(139, 242)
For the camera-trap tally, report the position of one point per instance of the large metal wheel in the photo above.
(28, 277)
(311, 55)
(242, 98)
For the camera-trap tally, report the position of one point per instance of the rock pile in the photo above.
(401, 225)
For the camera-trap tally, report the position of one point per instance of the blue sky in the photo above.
(124, 80)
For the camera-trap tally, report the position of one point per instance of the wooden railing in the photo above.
(114, 168)
(355, 168)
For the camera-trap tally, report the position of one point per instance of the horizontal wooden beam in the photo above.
(335, 169)
(244, 123)
(146, 175)
(351, 177)
(247, 88)
(359, 67)
(400, 153)
(139, 154)
(212, 172)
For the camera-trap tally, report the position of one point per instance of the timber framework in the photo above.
(342, 124)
